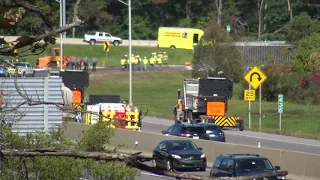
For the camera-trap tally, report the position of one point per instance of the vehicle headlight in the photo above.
(176, 156)
(281, 177)
(202, 156)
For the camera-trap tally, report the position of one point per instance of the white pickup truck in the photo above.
(100, 37)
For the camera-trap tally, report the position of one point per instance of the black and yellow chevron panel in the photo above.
(225, 121)
(77, 106)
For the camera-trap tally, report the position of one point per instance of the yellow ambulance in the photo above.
(181, 38)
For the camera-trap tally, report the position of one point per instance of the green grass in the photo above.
(177, 56)
(157, 92)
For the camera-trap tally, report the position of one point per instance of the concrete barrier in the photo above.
(79, 41)
(301, 166)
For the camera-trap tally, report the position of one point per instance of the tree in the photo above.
(306, 58)
(217, 55)
(300, 27)
(219, 6)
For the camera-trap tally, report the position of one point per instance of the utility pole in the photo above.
(130, 50)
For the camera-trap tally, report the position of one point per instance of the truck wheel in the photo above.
(241, 126)
(116, 43)
(92, 42)
(172, 47)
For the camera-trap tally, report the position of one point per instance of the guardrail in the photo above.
(301, 166)
(79, 41)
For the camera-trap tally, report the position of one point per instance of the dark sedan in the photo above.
(179, 154)
(214, 132)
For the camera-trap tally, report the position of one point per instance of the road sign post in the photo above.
(255, 77)
(106, 48)
(280, 108)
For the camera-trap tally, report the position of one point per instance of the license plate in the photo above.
(195, 137)
(212, 135)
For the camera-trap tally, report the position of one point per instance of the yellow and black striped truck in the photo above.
(206, 100)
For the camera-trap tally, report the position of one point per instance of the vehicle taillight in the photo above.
(182, 134)
(239, 118)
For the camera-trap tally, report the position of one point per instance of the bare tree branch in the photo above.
(29, 7)
(26, 41)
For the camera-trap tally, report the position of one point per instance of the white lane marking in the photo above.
(254, 137)
(151, 174)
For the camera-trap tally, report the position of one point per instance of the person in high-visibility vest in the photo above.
(123, 63)
(180, 109)
(58, 63)
(126, 62)
(159, 60)
(152, 62)
(165, 58)
(145, 63)
(133, 59)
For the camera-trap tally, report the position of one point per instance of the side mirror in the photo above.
(200, 148)
(277, 168)
(164, 132)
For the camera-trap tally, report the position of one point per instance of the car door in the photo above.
(107, 37)
(162, 154)
(100, 37)
(29, 69)
(226, 168)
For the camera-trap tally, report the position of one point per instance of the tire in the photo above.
(172, 47)
(116, 43)
(241, 126)
(92, 42)
(33, 74)
(202, 169)
(169, 165)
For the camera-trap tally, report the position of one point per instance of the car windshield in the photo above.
(253, 164)
(19, 64)
(198, 130)
(182, 145)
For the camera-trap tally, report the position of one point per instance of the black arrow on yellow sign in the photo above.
(106, 45)
(255, 73)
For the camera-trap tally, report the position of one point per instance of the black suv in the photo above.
(187, 130)
(236, 165)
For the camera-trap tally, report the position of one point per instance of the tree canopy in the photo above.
(280, 19)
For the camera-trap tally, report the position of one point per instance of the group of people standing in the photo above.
(77, 63)
(138, 64)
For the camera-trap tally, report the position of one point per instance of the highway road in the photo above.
(156, 125)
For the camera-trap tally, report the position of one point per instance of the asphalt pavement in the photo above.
(156, 125)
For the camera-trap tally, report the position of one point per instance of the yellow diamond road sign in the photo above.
(255, 77)
(106, 46)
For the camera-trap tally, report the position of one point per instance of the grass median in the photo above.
(157, 92)
(176, 56)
